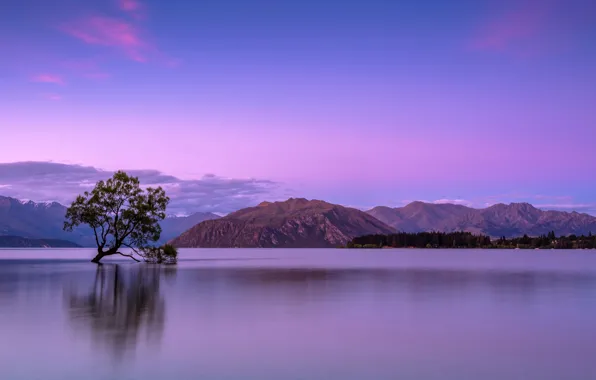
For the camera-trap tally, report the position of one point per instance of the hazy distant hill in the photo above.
(515, 219)
(293, 223)
(38, 221)
(21, 242)
(174, 226)
(45, 220)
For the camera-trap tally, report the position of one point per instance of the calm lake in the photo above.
(300, 314)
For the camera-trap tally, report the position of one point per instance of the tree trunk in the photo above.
(112, 251)
(99, 256)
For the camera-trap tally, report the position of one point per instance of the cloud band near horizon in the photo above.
(48, 181)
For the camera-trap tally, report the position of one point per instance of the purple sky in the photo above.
(362, 103)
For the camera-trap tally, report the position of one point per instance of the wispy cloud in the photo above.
(133, 7)
(130, 5)
(516, 26)
(123, 32)
(110, 32)
(48, 78)
(44, 181)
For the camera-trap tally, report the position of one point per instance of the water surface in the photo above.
(300, 314)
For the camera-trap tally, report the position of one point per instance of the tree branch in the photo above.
(96, 238)
(131, 256)
(127, 233)
(131, 247)
(104, 233)
(116, 217)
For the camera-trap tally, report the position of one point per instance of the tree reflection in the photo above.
(123, 304)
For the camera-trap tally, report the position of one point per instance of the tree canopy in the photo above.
(121, 214)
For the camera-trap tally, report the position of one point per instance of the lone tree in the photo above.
(121, 214)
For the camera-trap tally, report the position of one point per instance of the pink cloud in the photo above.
(133, 7)
(130, 5)
(520, 25)
(48, 78)
(110, 32)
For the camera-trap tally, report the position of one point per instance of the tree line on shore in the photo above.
(469, 240)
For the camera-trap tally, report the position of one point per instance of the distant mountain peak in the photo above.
(514, 205)
(21, 242)
(426, 205)
(303, 200)
(45, 220)
(194, 214)
(514, 219)
(42, 204)
(296, 222)
(172, 227)
(38, 220)
(292, 201)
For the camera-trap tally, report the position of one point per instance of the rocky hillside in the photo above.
(515, 219)
(290, 224)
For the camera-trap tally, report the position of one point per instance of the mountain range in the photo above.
(21, 242)
(44, 220)
(298, 222)
(172, 227)
(515, 219)
(293, 223)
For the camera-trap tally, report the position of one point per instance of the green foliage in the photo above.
(120, 212)
(170, 251)
(166, 254)
(469, 240)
